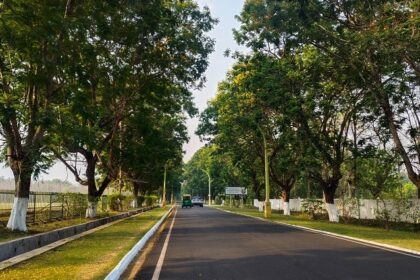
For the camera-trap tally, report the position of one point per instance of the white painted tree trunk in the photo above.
(332, 212)
(91, 209)
(286, 208)
(17, 220)
(134, 203)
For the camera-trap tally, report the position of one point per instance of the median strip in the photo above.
(17, 250)
(90, 257)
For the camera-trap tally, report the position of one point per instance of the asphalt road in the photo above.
(207, 243)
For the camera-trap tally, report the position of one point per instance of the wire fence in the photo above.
(49, 206)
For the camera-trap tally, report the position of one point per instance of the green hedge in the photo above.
(150, 200)
(119, 202)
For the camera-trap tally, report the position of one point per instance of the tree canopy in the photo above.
(104, 87)
(334, 88)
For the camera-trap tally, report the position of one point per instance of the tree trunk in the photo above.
(136, 189)
(329, 192)
(417, 183)
(286, 206)
(256, 186)
(383, 100)
(22, 171)
(94, 195)
(92, 191)
(92, 208)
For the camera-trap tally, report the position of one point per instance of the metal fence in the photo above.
(48, 206)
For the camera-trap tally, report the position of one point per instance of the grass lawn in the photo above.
(7, 235)
(90, 257)
(404, 239)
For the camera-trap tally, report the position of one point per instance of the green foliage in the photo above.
(379, 174)
(115, 201)
(209, 160)
(140, 200)
(346, 60)
(393, 211)
(74, 203)
(320, 85)
(314, 208)
(101, 86)
(151, 200)
(120, 202)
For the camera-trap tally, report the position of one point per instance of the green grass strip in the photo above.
(90, 257)
(403, 239)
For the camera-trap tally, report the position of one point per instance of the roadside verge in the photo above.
(392, 248)
(14, 248)
(90, 257)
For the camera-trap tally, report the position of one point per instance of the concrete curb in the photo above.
(119, 269)
(13, 248)
(391, 248)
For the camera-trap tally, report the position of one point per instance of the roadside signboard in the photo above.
(236, 191)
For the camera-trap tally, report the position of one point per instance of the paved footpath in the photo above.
(207, 243)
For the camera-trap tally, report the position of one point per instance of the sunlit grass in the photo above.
(404, 239)
(90, 257)
(7, 235)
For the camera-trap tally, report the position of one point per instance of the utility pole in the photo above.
(164, 186)
(208, 175)
(172, 195)
(120, 179)
(267, 203)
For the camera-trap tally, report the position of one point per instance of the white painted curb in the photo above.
(391, 248)
(119, 269)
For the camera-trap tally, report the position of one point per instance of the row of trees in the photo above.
(330, 88)
(102, 86)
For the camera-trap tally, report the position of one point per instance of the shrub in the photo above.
(75, 204)
(395, 211)
(218, 200)
(116, 201)
(314, 208)
(350, 208)
(150, 200)
(140, 200)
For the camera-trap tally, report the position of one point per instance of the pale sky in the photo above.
(224, 11)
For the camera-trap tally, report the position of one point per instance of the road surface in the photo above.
(207, 243)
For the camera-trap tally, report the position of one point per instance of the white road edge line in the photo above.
(119, 269)
(159, 264)
(368, 243)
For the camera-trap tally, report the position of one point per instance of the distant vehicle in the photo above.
(198, 201)
(186, 201)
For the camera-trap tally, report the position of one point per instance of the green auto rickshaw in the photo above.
(186, 201)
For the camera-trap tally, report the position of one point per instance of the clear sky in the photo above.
(224, 11)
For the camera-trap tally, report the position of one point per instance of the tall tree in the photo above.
(35, 44)
(130, 63)
(374, 44)
(323, 93)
